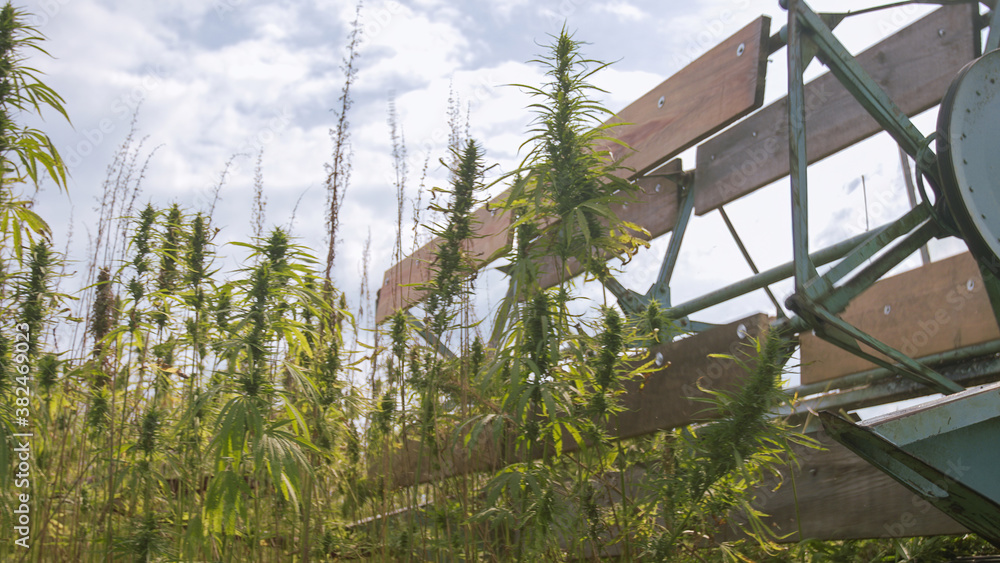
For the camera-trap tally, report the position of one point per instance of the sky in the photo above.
(215, 81)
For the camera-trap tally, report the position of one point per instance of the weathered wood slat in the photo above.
(715, 90)
(666, 399)
(401, 283)
(935, 308)
(721, 86)
(839, 496)
(915, 66)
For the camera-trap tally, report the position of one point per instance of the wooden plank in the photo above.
(925, 311)
(401, 283)
(839, 496)
(915, 66)
(715, 90)
(666, 399)
(655, 209)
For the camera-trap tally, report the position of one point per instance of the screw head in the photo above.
(739, 50)
(941, 32)
(660, 102)
(741, 331)
(887, 309)
(660, 360)
(970, 285)
(657, 188)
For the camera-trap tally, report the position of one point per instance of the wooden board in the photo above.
(401, 283)
(839, 496)
(716, 89)
(721, 86)
(668, 398)
(915, 66)
(925, 311)
(664, 400)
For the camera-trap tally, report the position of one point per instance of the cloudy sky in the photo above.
(218, 78)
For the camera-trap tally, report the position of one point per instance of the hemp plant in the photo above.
(25, 153)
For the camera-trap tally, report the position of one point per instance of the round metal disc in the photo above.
(968, 148)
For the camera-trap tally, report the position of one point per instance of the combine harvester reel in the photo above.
(864, 340)
(946, 450)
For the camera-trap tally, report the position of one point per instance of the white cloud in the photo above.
(624, 11)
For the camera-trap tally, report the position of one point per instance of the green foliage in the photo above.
(25, 153)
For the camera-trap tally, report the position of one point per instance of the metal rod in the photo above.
(859, 83)
(660, 290)
(905, 365)
(876, 242)
(911, 194)
(767, 277)
(872, 376)
(840, 297)
(746, 256)
(797, 159)
(993, 39)
(431, 338)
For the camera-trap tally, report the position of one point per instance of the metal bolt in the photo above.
(657, 188)
(887, 310)
(740, 49)
(660, 359)
(941, 32)
(970, 285)
(741, 331)
(660, 103)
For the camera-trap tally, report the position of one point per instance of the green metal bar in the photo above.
(631, 302)
(766, 278)
(660, 290)
(431, 339)
(939, 484)
(859, 83)
(746, 256)
(866, 250)
(993, 39)
(992, 285)
(798, 161)
(873, 376)
(838, 299)
(907, 366)
(890, 389)
(911, 195)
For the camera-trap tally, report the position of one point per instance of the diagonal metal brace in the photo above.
(845, 335)
(430, 338)
(861, 85)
